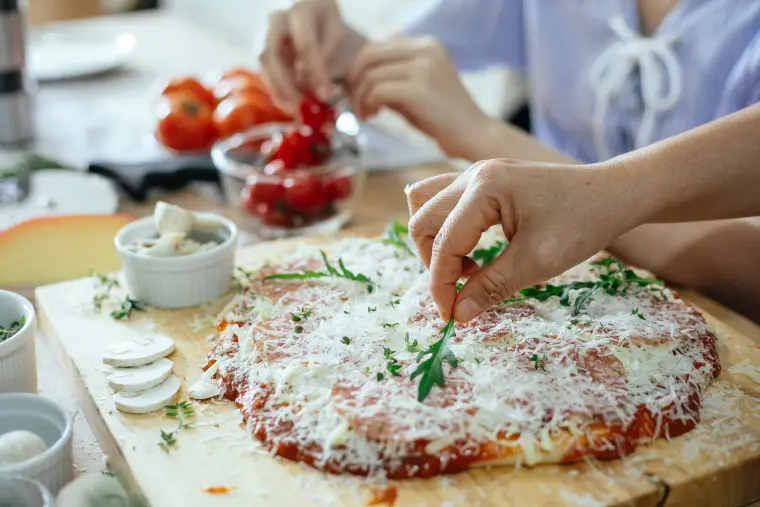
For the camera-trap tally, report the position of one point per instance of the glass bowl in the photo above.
(305, 201)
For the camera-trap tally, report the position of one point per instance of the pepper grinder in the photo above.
(16, 125)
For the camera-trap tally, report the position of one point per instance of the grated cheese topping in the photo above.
(309, 361)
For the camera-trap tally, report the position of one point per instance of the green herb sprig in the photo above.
(392, 364)
(539, 362)
(430, 370)
(128, 305)
(394, 236)
(181, 411)
(411, 346)
(616, 280)
(340, 272)
(485, 256)
(14, 327)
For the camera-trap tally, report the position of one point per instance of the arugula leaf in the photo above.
(344, 272)
(430, 370)
(395, 230)
(484, 256)
(346, 340)
(638, 314)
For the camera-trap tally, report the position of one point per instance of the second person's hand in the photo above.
(548, 212)
(416, 78)
(307, 45)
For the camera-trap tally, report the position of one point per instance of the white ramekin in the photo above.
(45, 418)
(18, 364)
(177, 282)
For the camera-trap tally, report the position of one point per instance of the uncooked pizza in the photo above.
(337, 358)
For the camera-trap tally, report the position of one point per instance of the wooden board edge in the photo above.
(87, 404)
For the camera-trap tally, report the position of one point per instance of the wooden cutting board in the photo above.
(718, 464)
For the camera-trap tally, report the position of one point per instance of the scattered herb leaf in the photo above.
(181, 411)
(539, 362)
(412, 347)
(379, 376)
(346, 340)
(126, 308)
(637, 313)
(343, 272)
(392, 325)
(371, 309)
(393, 236)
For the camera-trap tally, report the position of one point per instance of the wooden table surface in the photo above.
(170, 45)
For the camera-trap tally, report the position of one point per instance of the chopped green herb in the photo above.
(181, 411)
(14, 327)
(126, 308)
(430, 370)
(298, 329)
(300, 315)
(477, 360)
(393, 236)
(539, 362)
(574, 321)
(393, 302)
(342, 272)
(392, 325)
(412, 347)
(394, 367)
(637, 313)
(346, 340)
(371, 309)
(380, 376)
(388, 352)
(484, 256)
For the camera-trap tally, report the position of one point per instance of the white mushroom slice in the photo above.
(18, 446)
(139, 352)
(150, 400)
(171, 219)
(203, 390)
(140, 378)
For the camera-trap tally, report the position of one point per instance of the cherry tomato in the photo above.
(319, 148)
(275, 167)
(270, 215)
(292, 150)
(236, 114)
(305, 193)
(241, 85)
(240, 71)
(339, 188)
(185, 122)
(315, 113)
(260, 189)
(191, 85)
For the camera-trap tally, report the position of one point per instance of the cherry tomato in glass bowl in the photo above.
(185, 122)
(191, 85)
(316, 114)
(339, 188)
(318, 199)
(262, 189)
(305, 193)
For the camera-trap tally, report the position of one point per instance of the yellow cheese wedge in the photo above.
(57, 248)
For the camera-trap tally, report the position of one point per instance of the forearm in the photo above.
(710, 172)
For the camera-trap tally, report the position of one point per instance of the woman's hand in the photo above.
(549, 213)
(416, 78)
(307, 46)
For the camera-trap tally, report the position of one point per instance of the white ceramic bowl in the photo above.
(46, 419)
(20, 491)
(18, 365)
(178, 282)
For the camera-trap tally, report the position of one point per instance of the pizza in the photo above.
(337, 358)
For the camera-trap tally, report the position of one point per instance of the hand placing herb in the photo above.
(14, 327)
(180, 411)
(126, 308)
(430, 370)
(395, 230)
(343, 272)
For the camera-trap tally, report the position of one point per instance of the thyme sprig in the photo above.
(14, 327)
(181, 411)
(128, 305)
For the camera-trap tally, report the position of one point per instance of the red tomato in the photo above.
(241, 72)
(275, 167)
(236, 114)
(191, 85)
(339, 188)
(240, 85)
(301, 147)
(270, 215)
(305, 193)
(185, 122)
(315, 113)
(260, 189)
